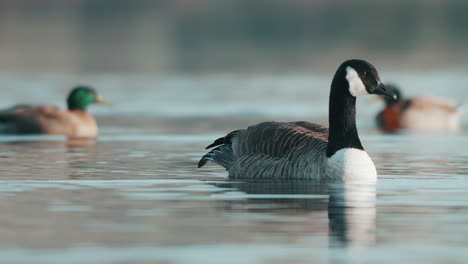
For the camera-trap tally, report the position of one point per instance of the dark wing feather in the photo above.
(311, 126)
(224, 140)
(271, 139)
(277, 139)
(222, 155)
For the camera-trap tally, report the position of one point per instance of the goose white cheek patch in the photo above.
(356, 87)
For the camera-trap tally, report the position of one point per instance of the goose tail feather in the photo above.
(224, 140)
(221, 155)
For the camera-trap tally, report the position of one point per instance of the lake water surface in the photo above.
(135, 195)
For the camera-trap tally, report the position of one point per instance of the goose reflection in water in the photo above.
(350, 206)
(352, 214)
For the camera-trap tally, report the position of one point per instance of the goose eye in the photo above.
(365, 73)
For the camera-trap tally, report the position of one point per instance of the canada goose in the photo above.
(73, 122)
(302, 149)
(420, 114)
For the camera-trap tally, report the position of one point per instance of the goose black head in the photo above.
(364, 79)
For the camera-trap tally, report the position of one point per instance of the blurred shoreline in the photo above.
(204, 36)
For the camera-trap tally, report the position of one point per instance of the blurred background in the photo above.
(205, 57)
(109, 36)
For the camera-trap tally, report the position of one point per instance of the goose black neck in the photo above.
(342, 116)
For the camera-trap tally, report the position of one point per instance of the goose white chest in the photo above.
(352, 164)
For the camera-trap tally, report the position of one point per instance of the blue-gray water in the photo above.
(135, 196)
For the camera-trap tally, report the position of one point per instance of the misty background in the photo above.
(206, 36)
(182, 73)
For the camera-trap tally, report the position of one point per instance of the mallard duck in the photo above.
(420, 114)
(73, 122)
(303, 150)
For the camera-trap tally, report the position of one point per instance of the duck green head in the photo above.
(82, 96)
(396, 90)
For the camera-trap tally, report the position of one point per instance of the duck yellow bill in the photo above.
(100, 100)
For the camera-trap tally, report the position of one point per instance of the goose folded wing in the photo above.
(279, 139)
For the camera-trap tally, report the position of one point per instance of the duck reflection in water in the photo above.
(54, 157)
